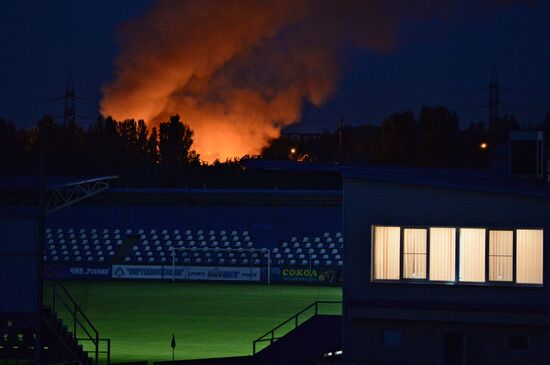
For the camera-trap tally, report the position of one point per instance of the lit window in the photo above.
(501, 255)
(442, 254)
(386, 252)
(472, 255)
(414, 253)
(529, 244)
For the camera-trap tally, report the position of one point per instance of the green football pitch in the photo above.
(208, 320)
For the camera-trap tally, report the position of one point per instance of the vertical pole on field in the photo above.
(250, 258)
(268, 266)
(188, 267)
(173, 264)
(310, 268)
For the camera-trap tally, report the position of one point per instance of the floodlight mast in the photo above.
(206, 249)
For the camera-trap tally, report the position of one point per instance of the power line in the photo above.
(409, 97)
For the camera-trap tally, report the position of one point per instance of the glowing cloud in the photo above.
(237, 71)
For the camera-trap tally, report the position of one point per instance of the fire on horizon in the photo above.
(239, 71)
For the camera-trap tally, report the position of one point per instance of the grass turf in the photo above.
(208, 320)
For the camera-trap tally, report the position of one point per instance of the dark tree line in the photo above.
(164, 156)
(431, 138)
(108, 146)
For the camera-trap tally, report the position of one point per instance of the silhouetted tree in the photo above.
(499, 130)
(399, 139)
(153, 146)
(141, 142)
(176, 139)
(439, 136)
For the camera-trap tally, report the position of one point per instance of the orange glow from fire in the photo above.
(237, 71)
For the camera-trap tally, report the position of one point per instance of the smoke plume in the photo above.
(238, 71)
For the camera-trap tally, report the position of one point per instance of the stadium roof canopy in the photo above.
(33, 182)
(477, 180)
(60, 191)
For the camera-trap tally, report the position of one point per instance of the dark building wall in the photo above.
(369, 203)
(423, 343)
(19, 257)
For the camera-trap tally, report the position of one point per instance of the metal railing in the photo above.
(308, 312)
(78, 321)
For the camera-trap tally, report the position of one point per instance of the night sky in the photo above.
(437, 62)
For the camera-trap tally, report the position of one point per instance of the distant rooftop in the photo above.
(459, 179)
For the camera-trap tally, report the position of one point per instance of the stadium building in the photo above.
(440, 266)
(443, 267)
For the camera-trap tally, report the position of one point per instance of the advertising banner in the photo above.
(77, 271)
(212, 273)
(147, 272)
(316, 275)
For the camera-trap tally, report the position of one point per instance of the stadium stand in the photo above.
(205, 247)
(323, 250)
